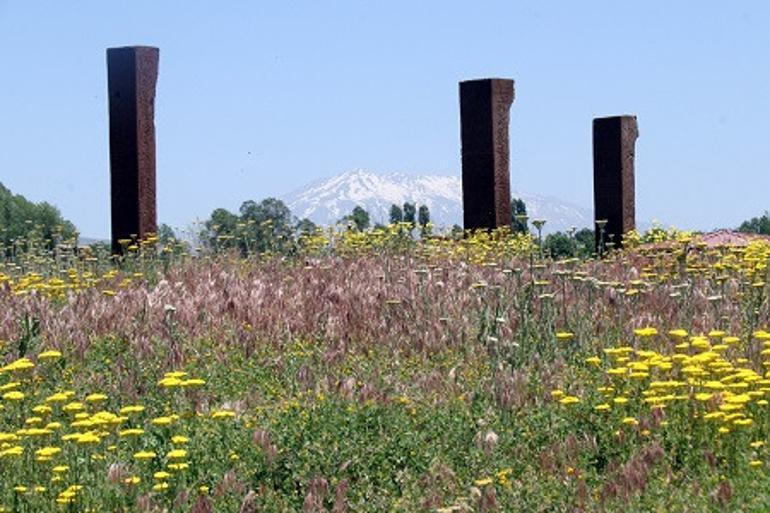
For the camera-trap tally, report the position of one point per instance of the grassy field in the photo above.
(374, 373)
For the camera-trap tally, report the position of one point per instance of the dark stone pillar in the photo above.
(614, 150)
(484, 117)
(132, 73)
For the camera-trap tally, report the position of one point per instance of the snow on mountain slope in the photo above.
(326, 201)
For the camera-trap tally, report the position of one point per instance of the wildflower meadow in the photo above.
(378, 372)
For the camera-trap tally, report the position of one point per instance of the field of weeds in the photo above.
(371, 372)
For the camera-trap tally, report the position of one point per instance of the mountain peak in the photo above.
(326, 201)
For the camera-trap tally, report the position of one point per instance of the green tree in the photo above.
(305, 227)
(563, 245)
(220, 230)
(359, 217)
(22, 219)
(585, 242)
(423, 219)
(409, 213)
(396, 214)
(423, 215)
(760, 225)
(518, 210)
(559, 245)
(258, 227)
(268, 225)
(166, 234)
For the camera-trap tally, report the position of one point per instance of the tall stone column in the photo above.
(484, 118)
(614, 150)
(132, 73)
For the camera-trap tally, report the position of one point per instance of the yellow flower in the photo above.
(13, 395)
(89, 438)
(132, 409)
(144, 455)
(131, 432)
(193, 382)
(161, 475)
(169, 382)
(179, 439)
(15, 384)
(223, 414)
(20, 364)
(49, 355)
(133, 480)
(95, 398)
(73, 407)
(162, 421)
(645, 332)
(42, 408)
(602, 407)
(483, 482)
(16, 450)
(176, 454)
(565, 335)
(630, 421)
(47, 452)
(160, 486)
(738, 399)
(755, 463)
(569, 399)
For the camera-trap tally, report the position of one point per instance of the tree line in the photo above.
(270, 225)
(22, 220)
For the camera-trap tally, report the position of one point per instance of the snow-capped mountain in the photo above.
(327, 201)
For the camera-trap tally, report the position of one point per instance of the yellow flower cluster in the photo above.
(57, 287)
(480, 247)
(707, 375)
(58, 436)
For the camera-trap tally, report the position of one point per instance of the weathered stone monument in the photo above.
(484, 117)
(132, 73)
(614, 149)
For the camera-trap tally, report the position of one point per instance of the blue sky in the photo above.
(256, 99)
